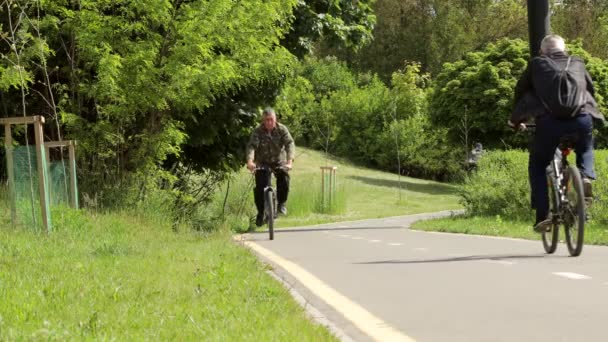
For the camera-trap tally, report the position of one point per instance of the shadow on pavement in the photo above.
(464, 258)
(432, 188)
(316, 229)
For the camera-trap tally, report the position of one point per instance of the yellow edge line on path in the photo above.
(361, 318)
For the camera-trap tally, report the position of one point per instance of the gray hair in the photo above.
(551, 44)
(268, 111)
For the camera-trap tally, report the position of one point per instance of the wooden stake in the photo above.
(73, 181)
(10, 168)
(42, 176)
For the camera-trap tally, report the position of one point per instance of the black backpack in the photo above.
(567, 96)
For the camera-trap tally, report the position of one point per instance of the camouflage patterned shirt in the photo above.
(271, 147)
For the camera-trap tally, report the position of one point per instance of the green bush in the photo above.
(331, 108)
(424, 151)
(500, 187)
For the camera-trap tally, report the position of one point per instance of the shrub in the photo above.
(500, 187)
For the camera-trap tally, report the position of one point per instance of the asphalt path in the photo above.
(379, 280)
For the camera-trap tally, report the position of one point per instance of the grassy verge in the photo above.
(362, 193)
(594, 234)
(120, 277)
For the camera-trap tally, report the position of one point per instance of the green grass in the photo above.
(123, 277)
(594, 234)
(362, 193)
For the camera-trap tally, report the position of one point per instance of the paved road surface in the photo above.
(441, 287)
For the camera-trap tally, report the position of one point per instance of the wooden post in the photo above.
(10, 169)
(42, 174)
(73, 181)
(328, 172)
(322, 189)
(41, 159)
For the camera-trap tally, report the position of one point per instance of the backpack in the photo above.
(568, 97)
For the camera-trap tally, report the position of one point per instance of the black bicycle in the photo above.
(566, 199)
(270, 200)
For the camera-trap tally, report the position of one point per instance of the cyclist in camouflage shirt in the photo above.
(271, 145)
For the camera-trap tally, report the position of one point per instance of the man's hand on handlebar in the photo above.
(289, 165)
(520, 127)
(251, 166)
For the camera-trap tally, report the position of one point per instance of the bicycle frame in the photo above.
(559, 164)
(270, 200)
(564, 180)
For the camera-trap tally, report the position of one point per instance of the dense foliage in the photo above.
(341, 23)
(475, 94)
(432, 32)
(329, 107)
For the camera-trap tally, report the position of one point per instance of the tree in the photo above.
(341, 23)
(433, 32)
(140, 84)
(586, 20)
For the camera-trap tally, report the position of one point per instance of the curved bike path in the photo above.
(379, 280)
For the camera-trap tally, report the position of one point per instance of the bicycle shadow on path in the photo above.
(490, 257)
(430, 188)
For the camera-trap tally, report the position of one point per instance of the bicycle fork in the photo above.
(557, 178)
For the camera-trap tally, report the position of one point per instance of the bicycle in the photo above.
(270, 199)
(566, 199)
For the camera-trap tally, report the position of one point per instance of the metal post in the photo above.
(538, 23)
(42, 174)
(10, 169)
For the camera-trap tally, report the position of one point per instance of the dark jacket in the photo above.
(538, 73)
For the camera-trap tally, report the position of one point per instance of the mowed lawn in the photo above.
(126, 278)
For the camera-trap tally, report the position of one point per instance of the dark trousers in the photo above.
(263, 179)
(548, 133)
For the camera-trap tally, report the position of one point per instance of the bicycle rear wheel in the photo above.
(574, 213)
(551, 237)
(270, 209)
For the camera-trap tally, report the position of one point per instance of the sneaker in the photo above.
(282, 209)
(543, 226)
(259, 220)
(587, 187)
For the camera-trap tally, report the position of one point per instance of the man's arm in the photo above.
(524, 84)
(589, 81)
(290, 148)
(251, 146)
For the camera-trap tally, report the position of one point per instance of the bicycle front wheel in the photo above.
(551, 237)
(574, 212)
(270, 209)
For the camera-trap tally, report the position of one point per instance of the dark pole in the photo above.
(538, 23)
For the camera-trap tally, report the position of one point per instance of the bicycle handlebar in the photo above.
(516, 127)
(268, 168)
